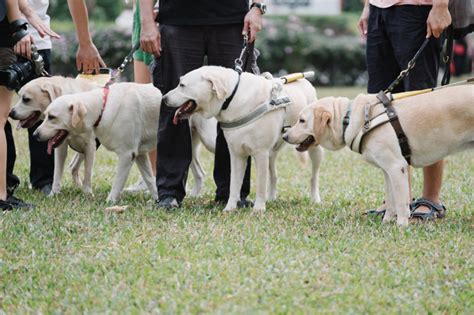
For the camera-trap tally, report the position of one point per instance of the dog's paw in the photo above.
(229, 209)
(53, 193)
(316, 199)
(87, 190)
(258, 210)
(402, 221)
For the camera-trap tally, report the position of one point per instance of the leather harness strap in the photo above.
(395, 122)
(104, 102)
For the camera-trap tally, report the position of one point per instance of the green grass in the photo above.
(69, 256)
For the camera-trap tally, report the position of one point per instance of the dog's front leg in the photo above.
(60, 154)
(196, 168)
(390, 212)
(398, 174)
(89, 155)
(144, 165)
(238, 165)
(316, 155)
(261, 164)
(272, 176)
(125, 162)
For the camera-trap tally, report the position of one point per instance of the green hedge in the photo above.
(287, 44)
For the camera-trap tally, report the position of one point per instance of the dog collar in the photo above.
(106, 96)
(231, 97)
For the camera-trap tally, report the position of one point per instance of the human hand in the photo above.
(150, 39)
(23, 46)
(363, 21)
(252, 23)
(438, 20)
(41, 27)
(88, 58)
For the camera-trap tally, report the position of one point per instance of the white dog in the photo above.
(123, 119)
(436, 124)
(209, 90)
(33, 100)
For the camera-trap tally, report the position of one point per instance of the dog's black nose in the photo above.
(12, 114)
(285, 137)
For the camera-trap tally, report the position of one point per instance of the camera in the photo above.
(20, 71)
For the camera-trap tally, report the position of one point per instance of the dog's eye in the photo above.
(302, 121)
(25, 99)
(181, 85)
(51, 117)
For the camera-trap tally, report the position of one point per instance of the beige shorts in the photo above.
(7, 57)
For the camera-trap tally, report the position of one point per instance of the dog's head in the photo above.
(203, 90)
(315, 126)
(33, 100)
(65, 115)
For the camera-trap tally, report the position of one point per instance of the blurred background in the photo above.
(298, 35)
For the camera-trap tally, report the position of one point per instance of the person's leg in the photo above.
(141, 74)
(5, 100)
(224, 46)
(41, 163)
(382, 65)
(407, 39)
(182, 51)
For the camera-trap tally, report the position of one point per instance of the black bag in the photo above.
(3, 10)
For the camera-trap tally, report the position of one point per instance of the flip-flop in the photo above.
(437, 211)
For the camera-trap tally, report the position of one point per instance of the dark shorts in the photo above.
(7, 57)
(394, 36)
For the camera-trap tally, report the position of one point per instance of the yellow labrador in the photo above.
(33, 100)
(206, 91)
(125, 124)
(436, 124)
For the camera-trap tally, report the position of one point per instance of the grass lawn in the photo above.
(70, 256)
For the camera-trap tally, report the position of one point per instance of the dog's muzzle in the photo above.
(184, 111)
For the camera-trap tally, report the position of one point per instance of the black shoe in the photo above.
(168, 203)
(5, 205)
(46, 189)
(17, 203)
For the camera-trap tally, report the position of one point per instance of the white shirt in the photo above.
(40, 7)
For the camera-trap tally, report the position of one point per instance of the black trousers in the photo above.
(41, 164)
(184, 49)
(394, 36)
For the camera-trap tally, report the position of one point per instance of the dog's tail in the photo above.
(302, 157)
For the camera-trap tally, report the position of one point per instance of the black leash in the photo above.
(411, 65)
(129, 58)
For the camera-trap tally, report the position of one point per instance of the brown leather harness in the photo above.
(389, 115)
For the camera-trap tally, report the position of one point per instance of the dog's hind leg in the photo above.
(316, 155)
(261, 164)
(75, 166)
(89, 156)
(144, 165)
(196, 168)
(60, 154)
(124, 165)
(238, 165)
(272, 176)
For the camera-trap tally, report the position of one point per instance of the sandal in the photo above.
(376, 212)
(437, 211)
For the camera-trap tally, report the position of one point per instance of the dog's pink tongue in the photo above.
(50, 146)
(19, 125)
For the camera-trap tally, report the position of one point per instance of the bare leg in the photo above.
(432, 182)
(5, 101)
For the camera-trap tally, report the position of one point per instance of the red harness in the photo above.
(106, 96)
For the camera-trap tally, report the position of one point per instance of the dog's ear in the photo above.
(53, 90)
(78, 111)
(217, 82)
(321, 118)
